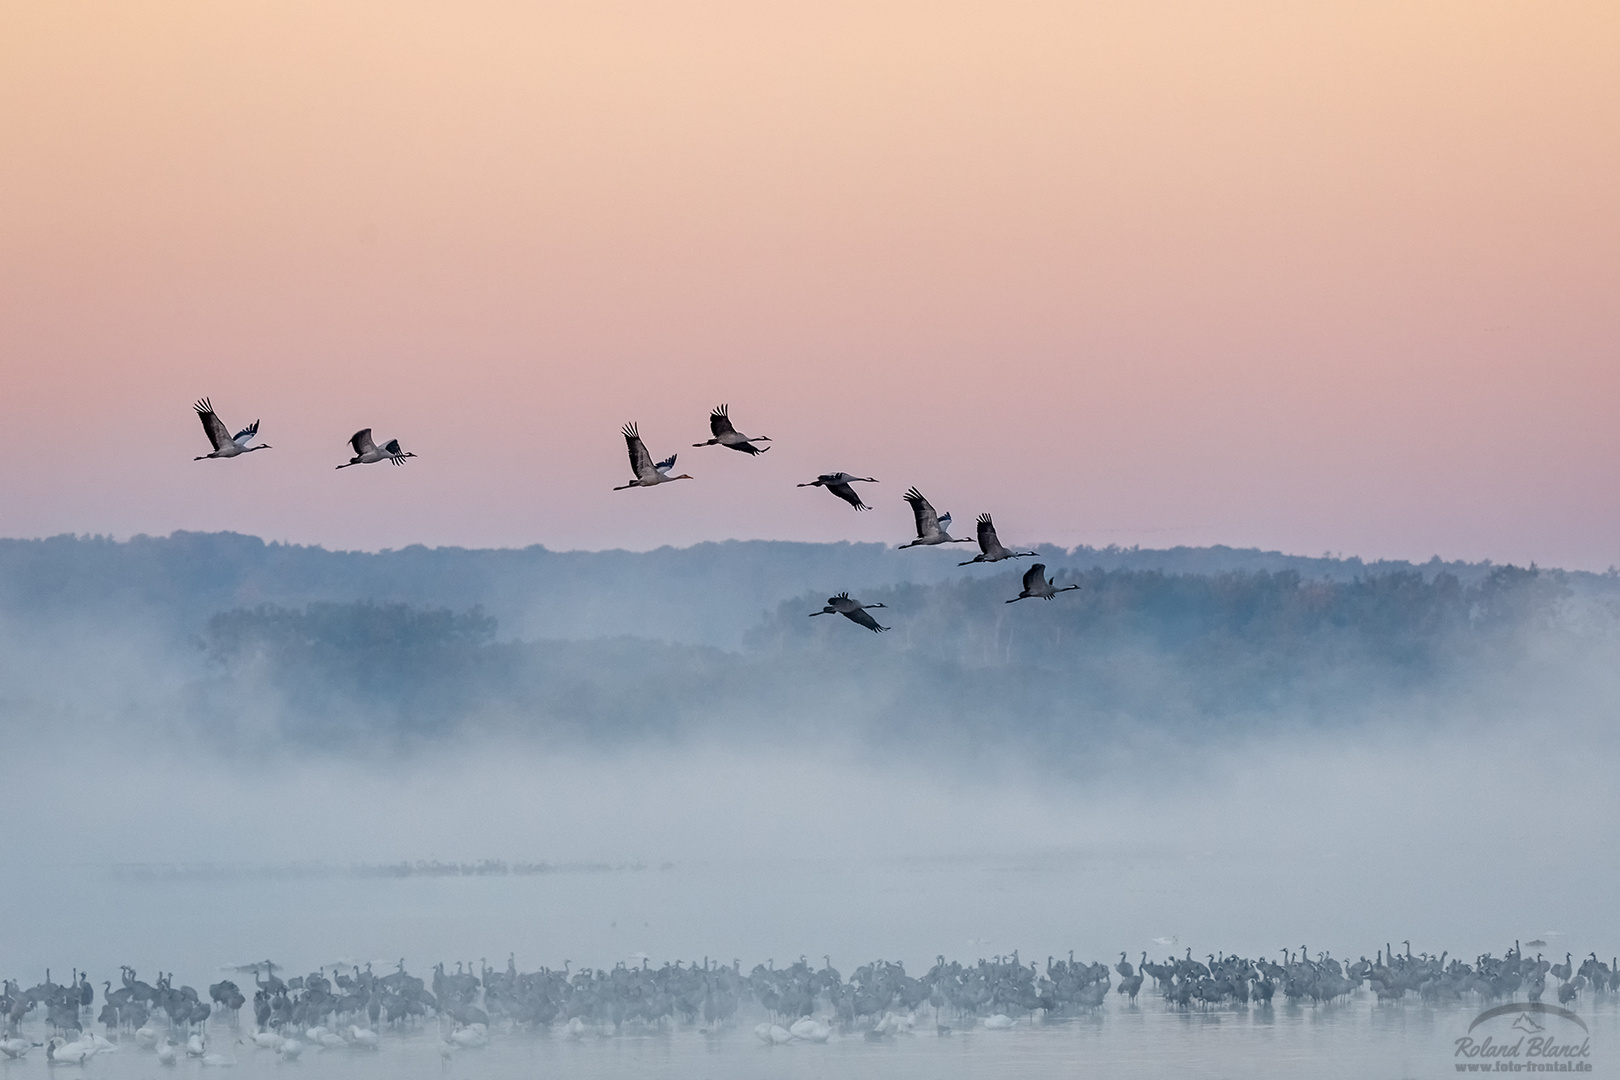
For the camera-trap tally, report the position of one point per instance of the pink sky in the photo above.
(1298, 276)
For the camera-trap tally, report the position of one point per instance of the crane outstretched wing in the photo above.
(923, 510)
(1035, 575)
(245, 436)
(720, 422)
(666, 465)
(859, 615)
(847, 493)
(988, 541)
(641, 462)
(361, 441)
(213, 426)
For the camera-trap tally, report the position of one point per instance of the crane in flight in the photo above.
(990, 549)
(932, 528)
(853, 610)
(838, 483)
(225, 444)
(648, 473)
(367, 453)
(726, 435)
(1036, 584)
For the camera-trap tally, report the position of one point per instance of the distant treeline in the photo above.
(1180, 654)
(707, 594)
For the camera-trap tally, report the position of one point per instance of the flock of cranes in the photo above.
(344, 1007)
(933, 528)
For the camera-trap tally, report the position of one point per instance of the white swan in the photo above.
(196, 1046)
(61, 1052)
(167, 1054)
(290, 1049)
(268, 1040)
(217, 1061)
(362, 1038)
(146, 1036)
(999, 1022)
(15, 1048)
(811, 1030)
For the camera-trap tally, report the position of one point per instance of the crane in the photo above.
(225, 444)
(726, 435)
(367, 453)
(648, 474)
(1036, 584)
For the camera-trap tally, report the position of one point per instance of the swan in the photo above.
(894, 1024)
(999, 1022)
(100, 1043)
(217, 1061)
(146, 1036)
(61, 1052)
(469, 1036)
(575, 1028)
(196, 1046)
(362, 1038)
(167, 1054)
(268, 1040)
(290, 1049)
(332, 1040)
(811, 1030)
(15, 1048)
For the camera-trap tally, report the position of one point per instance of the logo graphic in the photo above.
(1525, 1036)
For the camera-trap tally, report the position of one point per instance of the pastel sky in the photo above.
(1313, 277)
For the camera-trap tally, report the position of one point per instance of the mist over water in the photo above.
(176, 812)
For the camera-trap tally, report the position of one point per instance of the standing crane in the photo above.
(853, 610)
(366, 452)
(838, 483)
(932, 528)
(225, 444)
(1036, 584)
(726, 435)
(647, 473)
(990, 549)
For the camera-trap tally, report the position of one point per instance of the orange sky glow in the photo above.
(1303, 276)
